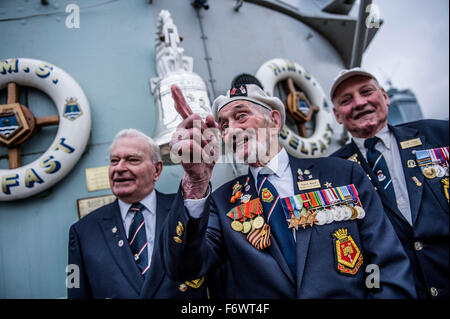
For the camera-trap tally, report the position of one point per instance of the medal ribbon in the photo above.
(324, 197)
(296, 199)
(287, 207)
(352, 191)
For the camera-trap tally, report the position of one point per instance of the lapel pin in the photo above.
(411, 163)
(114, 230)
(327, 184)
(418, 183)
(120, 243)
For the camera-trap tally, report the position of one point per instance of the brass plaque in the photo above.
(97, 178)
(411, 143)
(89, 204)
(314, 183)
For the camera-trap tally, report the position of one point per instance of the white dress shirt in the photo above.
(149, 213)
(389, 148)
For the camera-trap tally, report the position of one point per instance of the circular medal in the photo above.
(338, 214)
(246, 226)
(354, 213)
(440, 171)
(347, 212)
(236, 225)
(429, 172)
(328, 213)
(361, 212)
(258, 222)
(322, 217)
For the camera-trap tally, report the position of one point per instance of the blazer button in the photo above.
(434, 292)
(418, 246)
(182, 288)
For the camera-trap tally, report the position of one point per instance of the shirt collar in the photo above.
(148, 201)
(277, 165)
(383, 135)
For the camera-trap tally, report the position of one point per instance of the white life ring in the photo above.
(72, 135)
(315, 145)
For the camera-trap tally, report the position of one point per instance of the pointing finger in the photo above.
(180, 103)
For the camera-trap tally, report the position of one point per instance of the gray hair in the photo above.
(155, 153)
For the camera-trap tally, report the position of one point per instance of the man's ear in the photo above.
(276, 119)
(158, 170)
(386, 97)
(337, 116)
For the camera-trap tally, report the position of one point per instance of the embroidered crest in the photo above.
(348, 256)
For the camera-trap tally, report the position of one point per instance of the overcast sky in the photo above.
(412, 49)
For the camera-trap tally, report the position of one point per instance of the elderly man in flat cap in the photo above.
(408, 165)
(290, 228)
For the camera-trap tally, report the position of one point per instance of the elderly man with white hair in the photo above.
(116, 247)
(290, 228)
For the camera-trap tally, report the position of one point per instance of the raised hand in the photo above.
(196, 144)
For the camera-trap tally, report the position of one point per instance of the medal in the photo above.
(354, 213)
(258, 222)
(311, 219)
(246, 198)
(433, 162)
(361, 212)
(237, 225)
(429, 172)
(246, 227)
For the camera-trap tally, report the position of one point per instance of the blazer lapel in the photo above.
(120, 252)
(274, 249)
(156, 271)
(414, 192)
(303, 236)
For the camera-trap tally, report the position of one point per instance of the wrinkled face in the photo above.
(249, 131)
(132, 174)
(361, 106)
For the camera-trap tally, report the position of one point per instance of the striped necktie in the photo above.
(137, 238)
(273, 212)
(378, 164)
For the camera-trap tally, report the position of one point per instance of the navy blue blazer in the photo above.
(210, 240)
(427, 241)
(108, 270)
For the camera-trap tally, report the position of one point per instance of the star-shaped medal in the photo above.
(312, 219)
(303, 220)
(293, 223)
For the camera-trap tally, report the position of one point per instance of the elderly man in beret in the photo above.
(408, 165)
(290, 228)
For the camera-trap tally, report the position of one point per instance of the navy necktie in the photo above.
(273, 211)
(137, 238)
(378, 164)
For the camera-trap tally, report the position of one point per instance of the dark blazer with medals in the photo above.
(427, 241)
(107, 267)
(210, 240)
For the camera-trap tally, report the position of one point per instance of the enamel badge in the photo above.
(348, 256)
(266, 195)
